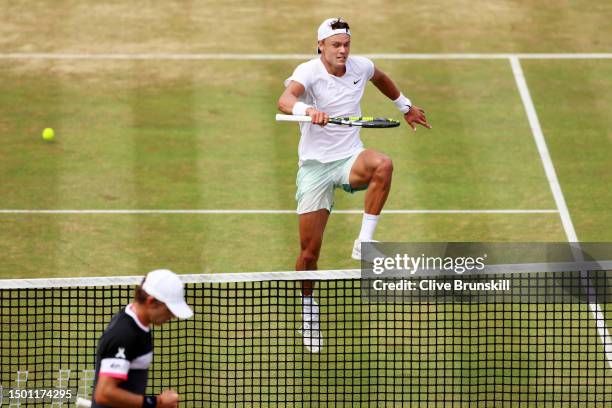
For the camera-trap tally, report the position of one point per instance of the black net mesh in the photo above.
(242, 347)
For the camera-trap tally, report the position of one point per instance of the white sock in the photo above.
(368, 226)
(310, 308)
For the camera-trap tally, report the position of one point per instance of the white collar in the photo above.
(130, 312)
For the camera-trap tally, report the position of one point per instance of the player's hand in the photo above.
(416, 116)
(318, 117)
(168, 399)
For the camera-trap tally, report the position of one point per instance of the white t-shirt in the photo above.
(336, 96)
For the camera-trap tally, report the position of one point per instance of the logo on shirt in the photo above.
(355, 82)
(120, 353)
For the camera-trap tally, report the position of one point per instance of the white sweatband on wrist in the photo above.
(300, 108)
(403, 103)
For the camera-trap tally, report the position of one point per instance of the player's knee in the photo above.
(385, 167)
(308, 256)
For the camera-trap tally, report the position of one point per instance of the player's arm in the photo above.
(289, 103)
(412, 114)
(109, 393)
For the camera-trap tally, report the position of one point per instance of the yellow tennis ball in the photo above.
(48, 134)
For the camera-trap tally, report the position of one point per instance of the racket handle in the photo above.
(292, 118)
(82, 403)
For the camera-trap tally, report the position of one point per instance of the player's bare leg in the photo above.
(312, 226)
(375, 170)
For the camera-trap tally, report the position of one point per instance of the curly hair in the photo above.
(339, 24)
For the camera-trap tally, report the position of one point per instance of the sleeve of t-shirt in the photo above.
(115, 358)
(302, 74)
(368, 67)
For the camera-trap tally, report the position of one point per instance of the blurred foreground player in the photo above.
(125, 349)
(333, 156)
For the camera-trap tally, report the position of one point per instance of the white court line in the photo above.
(268, 57)
(555, 187)
(92, 211)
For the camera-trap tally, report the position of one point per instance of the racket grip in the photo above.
(292, 118)
(82, 403)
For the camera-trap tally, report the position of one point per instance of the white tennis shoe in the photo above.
(311, 331)
(313, 337)
(371, 254)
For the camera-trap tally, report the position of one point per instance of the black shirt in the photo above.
(125, 352)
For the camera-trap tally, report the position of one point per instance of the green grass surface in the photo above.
(573, 100)
(200, 135)
(267, 26)
(136, 136)
(102, 245)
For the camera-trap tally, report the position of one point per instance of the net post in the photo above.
(85, 383)
(62, 383)
(22, 378)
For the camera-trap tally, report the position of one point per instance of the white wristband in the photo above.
(403, 103)
(300, 108)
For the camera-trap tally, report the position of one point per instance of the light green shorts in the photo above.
(316, 182)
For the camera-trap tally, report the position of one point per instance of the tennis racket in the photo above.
(82, 402)
(361, 121)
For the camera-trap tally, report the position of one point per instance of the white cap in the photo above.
(167, 287)
(325, 29)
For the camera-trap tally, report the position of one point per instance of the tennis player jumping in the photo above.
(333, 156)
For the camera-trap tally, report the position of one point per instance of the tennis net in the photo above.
(243, 346)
